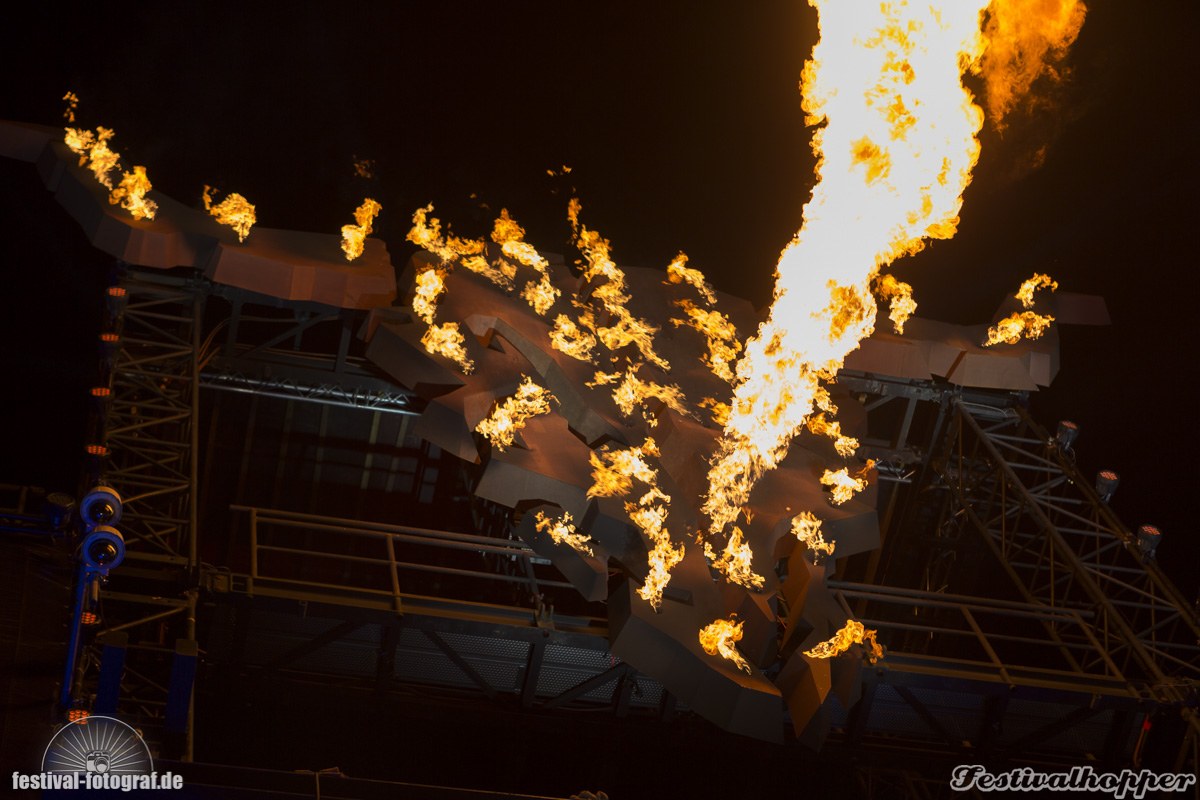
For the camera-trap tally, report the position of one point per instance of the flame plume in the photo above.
(430, 284)
(1038, 281)
(853, 632)
(613, 471)
(562, 531)
(894, 153)
(719, 637)
(234, 211)
(633, 393)
(446, 340)
(508, 418)
(843, 485)
(353, 236)
(719, 332)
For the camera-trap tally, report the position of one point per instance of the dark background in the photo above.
(683, 127)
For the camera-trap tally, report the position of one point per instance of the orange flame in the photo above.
(540, 294)
(562, 531)
(1038, 281)
(633, 393)
(94, 152)
(568, 337)
(613, 470)
(722, 337)
(1011, 329)
(735, 562)
(843, 485)
(446, 340)
(679, 272)
(720, 637)
(430, 284)
(1025, 38)
(353, 236)
(901, 304)
(234, 211)
(131, 194)
(72, 104)
(895, 153)
(846, 446)
(853, 632)
(807, 528)
(650, 515)
(625, 329)
(508, 418)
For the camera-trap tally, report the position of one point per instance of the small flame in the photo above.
(853, 632)
(724, 346)
(679, 272)
(718, 410)
(901, 304)
(94, 152)
(1011, 329)
(843, 485)
(719, 638)
(650, 515)
(72, 104)
(613, 470)
(625, 329)
(364, 167)
(568, 337)
(235, 211)
(446, 340)
(632, 393)
(131, 194)
(540, 294)
(430, 284)
(735, 562)
(353, 236)
(562, 531)
(846, 446)
(1038, 281)
(807, 528)
(508, 418)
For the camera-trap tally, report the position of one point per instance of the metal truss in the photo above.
(1065, 549)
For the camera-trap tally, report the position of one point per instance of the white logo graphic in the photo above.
(97, 746)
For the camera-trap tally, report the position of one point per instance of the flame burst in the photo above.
(94, 152)
(130, 193)
(650, 515)
(235, 211)
(562, 531)
(720, 637)
(853, 632)
(1023, 324)
(807, 528)
(72, 101)
(353, 236)
(508, 418)
(895, 152)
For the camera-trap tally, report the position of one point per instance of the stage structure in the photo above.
(303, 492)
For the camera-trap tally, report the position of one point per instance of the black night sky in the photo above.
(683, 128)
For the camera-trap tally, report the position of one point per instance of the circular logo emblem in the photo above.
(98, 745)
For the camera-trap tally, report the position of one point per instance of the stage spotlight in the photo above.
(100, 506)
(1148, 537)
(1106, 484)
(103, 548)
(1067, 433)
